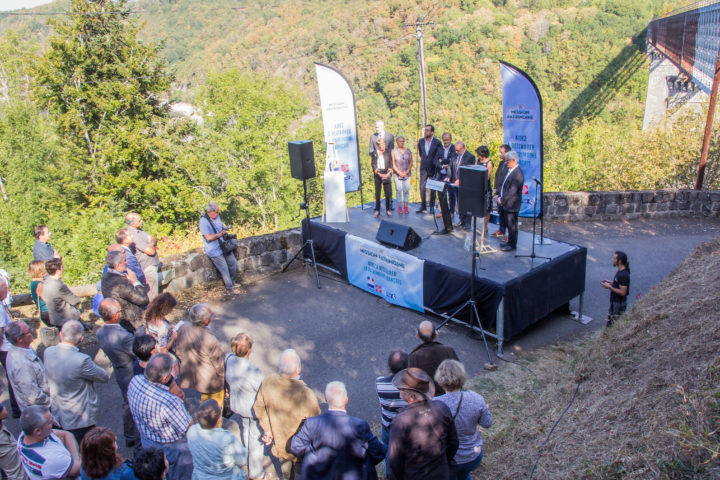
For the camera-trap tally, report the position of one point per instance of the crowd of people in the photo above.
(441, 161)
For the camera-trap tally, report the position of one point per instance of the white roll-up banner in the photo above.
(523, 130)
(337, 102)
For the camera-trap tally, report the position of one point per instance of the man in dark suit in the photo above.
(336, 445)
(500, 173)
(122, 285)
(381, 133)
(428, 147)
(442, 161)
(510, 198)
(463, 157)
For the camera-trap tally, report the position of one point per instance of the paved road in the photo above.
(342, 333)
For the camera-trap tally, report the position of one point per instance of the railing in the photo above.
(689, 37)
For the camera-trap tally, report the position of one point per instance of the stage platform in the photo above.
(511, 293)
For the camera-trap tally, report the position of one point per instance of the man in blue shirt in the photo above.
(212, 230)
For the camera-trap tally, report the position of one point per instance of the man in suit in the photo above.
(336, 445)
(463, 157)
(500, 173)
(428, 147)
(117, 344)
(61, 303)
(430, 353)
(510, 198)
(72, 376)
(442, 161)
(381, 133)
(122, 285)
(283, 403)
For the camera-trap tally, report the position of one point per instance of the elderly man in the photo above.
(423, 439)
(462, 158)
(212, 230)
(202, 358)
(283, 403)
(217, 454)
(61, 303)
(145, 249)
(428, 147)
(124, 244)
(500, 173)
(25, 370)
(510, 198)
(42, 250)
(46, 453)
(244, 380)
(72, 376)
(336, 445)
(430, 353)
(117, 343)
(160, 416)
(122, 285)
(385, 136)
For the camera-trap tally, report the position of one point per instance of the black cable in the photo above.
(532, 472)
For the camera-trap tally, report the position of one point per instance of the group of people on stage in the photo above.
(441, 160)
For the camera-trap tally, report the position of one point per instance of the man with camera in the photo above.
(219, 245)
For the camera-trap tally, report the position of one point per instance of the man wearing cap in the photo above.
(423, 438)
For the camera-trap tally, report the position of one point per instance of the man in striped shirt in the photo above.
(388, 395)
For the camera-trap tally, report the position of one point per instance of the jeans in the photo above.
(178, 456)
(227, 268)
(462, 471)
(402, 190)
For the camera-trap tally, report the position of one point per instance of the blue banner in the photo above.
(337, 102)
(386, 272)
(523, 130)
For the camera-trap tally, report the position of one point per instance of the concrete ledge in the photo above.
(630, 205)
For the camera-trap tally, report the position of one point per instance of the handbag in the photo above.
(227, 245)
(226, 411)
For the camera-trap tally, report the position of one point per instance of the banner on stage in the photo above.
(388, 273)
(522, 129)
(337, 103)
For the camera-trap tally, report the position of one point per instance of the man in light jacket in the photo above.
(72, 376)
(25, 370)
(62, 304)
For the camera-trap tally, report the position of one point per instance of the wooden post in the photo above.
(708, 126)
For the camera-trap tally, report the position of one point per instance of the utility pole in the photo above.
(419, 23)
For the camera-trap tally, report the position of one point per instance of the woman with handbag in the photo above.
(469, 410)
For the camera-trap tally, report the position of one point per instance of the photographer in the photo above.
(219, 245)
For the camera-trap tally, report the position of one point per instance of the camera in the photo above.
(229, 236)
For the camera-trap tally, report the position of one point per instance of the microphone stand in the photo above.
(532, 255)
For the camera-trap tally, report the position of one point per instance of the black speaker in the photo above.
(397, 235)
(302, 159)
(473, 190)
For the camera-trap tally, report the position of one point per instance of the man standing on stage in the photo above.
(427, 150)
(381, 133)
(499, 177)
(619, 287)
(510, 198)
(462, 158)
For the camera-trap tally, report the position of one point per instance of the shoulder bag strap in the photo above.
(457, 410)
(212, 225)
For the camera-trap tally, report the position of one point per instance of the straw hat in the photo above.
(415, 380)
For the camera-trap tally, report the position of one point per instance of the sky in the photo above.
(7, 5)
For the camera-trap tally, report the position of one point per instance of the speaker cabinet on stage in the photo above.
(400, 236)
(302, 159)
(473, 190)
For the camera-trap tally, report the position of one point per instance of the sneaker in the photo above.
(407, 210)
(400, 210)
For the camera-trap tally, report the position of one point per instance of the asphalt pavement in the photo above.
(343, 333)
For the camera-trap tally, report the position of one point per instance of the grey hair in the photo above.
(108, 307)
(380, 122)
(72, 332)
(289, 362)
(460, 143)
(113, 259)
(199, 313)
(13, 332)
(451, 375)
(212, 207)
(336, 394)
(33, 417)
(131, 218)
(512, 155)
(159, 366)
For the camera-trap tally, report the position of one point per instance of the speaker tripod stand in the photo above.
(308, 244)
(471, 304)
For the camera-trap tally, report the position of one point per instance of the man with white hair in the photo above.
(72, 376)
(46, 453)
(430, 353)
(123, 285)
(25, 370)
(202, 358)
(213, 230)
(283, 403)
(510, 198)
(380, 132)
(336, 445)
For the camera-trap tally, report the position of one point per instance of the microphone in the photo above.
(537, 181)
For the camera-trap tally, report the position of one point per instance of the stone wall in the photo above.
(630, 205)
(257, 256)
